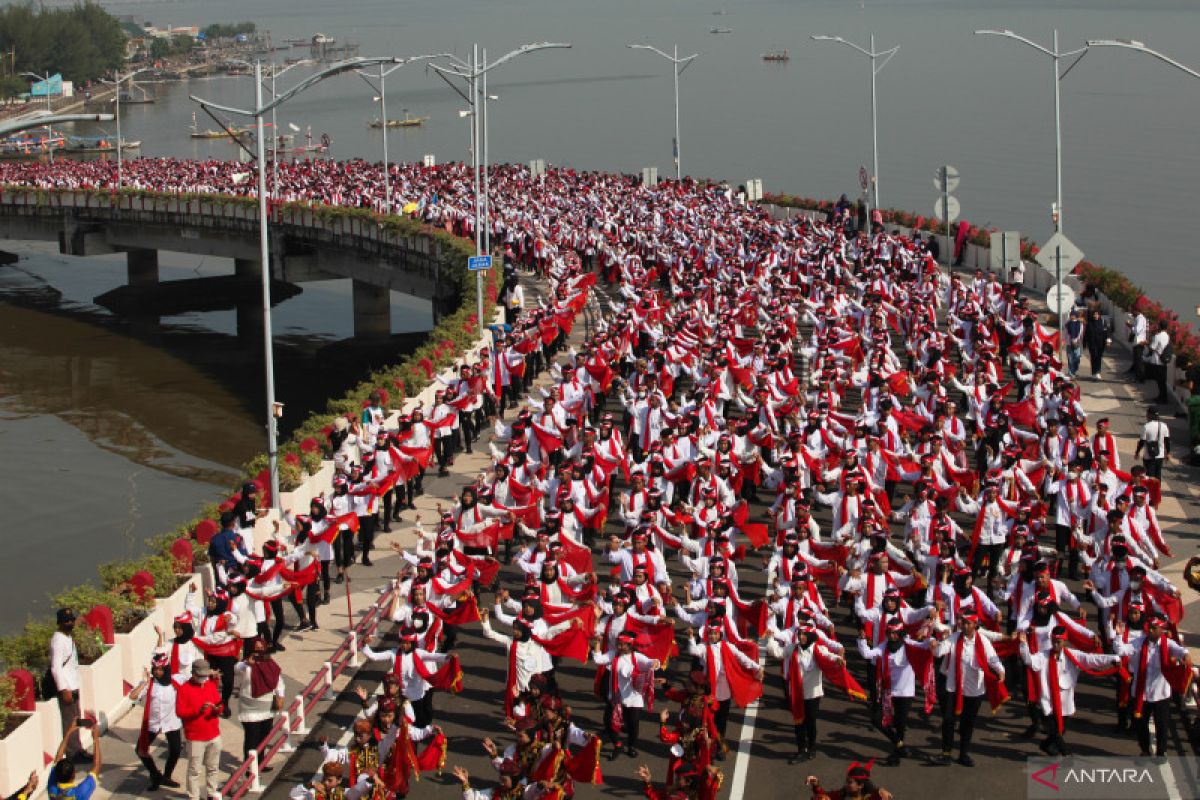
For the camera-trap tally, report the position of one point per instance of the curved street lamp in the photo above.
(874, 55)
(678, 65)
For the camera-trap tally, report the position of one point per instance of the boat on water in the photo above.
(720, 30)
(776, 55)
(30, 145)
(92, 145)
(234, 132)
(409, 121)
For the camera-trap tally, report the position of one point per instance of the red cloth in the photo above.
(744, 685)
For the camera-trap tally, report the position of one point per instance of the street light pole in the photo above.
(265, 270)
(258, 112)
(474, 73)
(117, 81)
(874, 56)
(383, 118)
(1056, 56)
(678, 65)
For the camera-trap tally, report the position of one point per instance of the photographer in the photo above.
(63, 781)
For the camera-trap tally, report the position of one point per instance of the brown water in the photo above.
(112, 432)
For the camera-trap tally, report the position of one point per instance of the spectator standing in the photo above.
(1158, 356)
(1139, 330)
(198, 705)
(1075, 331)
(1095, 338)
(1154, 446)
(64, 672)
(260, 684)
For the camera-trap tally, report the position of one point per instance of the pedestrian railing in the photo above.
(293, 720)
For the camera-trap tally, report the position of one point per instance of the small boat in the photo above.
(234, 132)
(30, 145)
(776, 55)
(408, 122)
(97, 144)
(309, 146)
(720, 30)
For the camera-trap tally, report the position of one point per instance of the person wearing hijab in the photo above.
(159, 717)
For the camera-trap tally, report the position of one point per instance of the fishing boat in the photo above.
(30, 145)
(408, 121)
(90, 145)
(776, 55)
(720, 30)
(234, 132)
(309, 147)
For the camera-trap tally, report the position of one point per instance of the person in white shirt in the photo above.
(158, 698)
(1154, 445)
(897, 678)
(802, 670)
(627, 674)
(966, 655)
(710, 652)
(64, 670)
(1155, 358)
(1139, 330)
(1057, 671)
(413, 685)
(1149, 689)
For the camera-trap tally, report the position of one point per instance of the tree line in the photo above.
(83, 42)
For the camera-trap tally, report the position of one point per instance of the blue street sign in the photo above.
(475, 263)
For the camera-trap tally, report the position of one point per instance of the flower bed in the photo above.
(1123, 292)
(299, 456)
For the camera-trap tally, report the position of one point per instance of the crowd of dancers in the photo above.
(897, 451)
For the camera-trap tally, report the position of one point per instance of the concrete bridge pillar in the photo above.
(372, 311)
(142, 267)
(249, 305)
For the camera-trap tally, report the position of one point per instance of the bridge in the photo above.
(307, 244)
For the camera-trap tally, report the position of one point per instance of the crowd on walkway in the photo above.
(748, 376)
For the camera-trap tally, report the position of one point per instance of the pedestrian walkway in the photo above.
(306, 653)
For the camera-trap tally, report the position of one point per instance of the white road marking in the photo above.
(741, 765)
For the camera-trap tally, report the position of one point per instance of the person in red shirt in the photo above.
(198, 706)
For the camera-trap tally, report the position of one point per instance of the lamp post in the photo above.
(678, 65)
(1055, 55)
(45, 79)
(474, 73)
(874, 55)
(383, 117)
(274, 126)
(116, 82)
(259, 110)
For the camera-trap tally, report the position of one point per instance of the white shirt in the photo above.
(701, 650)
(1157, 344)
(901, 675)
(973, 682)
(1156, 431)
(64, 662)
(162, 707)
(629, 694)
(1157, 687)
(1068, 674)
(412, 684)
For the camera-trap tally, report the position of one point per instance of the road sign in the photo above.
(1060, 298)
(476, 263)
(1059, 253)
(939, 209)
(864, 180)
(945, 179)
(1004, 250)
